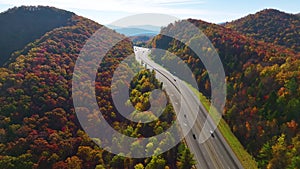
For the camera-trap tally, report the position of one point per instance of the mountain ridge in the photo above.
(136, 30)
(22, 25)
(270, 25)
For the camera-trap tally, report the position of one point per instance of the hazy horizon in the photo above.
(210, 11)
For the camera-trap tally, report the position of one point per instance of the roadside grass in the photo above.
(246, 159)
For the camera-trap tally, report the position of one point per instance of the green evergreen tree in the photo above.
(185, 159)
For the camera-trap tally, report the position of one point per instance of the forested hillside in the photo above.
(271, 26)
(263, 89)
(38, 125)
(141, 40)
(20, 26)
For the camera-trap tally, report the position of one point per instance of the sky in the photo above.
(215, 11)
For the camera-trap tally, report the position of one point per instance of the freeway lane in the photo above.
(213, 153)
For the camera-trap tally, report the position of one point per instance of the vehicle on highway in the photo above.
(194, 136)
(212, 133)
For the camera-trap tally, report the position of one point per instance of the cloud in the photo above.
(182, 3)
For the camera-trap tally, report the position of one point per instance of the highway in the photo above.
(215, 152)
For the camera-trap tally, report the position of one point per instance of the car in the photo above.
(212, 133)
(184, 115)
(194, 136)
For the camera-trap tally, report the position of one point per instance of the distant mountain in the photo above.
(137, 30)
(147, 27)
(22, 25)
(141, 40)
(272, 26)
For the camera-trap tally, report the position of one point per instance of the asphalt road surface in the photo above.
(215, 152)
